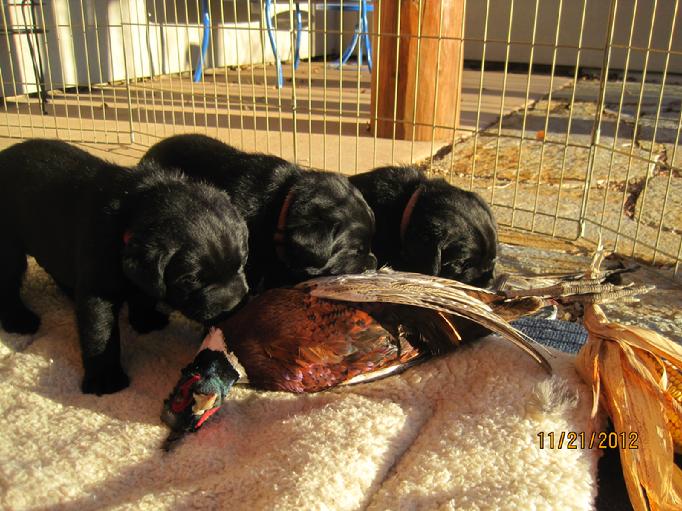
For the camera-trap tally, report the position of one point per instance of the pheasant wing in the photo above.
(442, 295)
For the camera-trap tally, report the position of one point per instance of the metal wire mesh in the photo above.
(568, 119)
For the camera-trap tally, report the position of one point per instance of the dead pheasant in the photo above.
(346, 329)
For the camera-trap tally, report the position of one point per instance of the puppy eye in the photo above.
(187, 281)
(455, 265)
(210, 288)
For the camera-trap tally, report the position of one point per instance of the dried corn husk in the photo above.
(625, 366)
(674, 375)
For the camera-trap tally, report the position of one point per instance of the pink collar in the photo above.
(407, 212)
(281, 224)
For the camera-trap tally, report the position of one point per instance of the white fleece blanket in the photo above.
(459, 432)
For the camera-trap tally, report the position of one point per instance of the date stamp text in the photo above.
(582, 440)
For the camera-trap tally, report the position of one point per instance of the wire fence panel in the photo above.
(564, 115)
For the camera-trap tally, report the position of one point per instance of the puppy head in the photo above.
(328, 228)
(186, 245)
(451, 233)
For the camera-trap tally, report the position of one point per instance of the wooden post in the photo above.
(415, 66)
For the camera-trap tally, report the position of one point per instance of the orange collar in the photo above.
(281, 224)
(407, 212)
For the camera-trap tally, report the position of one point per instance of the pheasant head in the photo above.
(202, 388)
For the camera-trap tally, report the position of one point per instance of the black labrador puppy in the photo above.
(429, 226)
(109, 234)
(302, 224)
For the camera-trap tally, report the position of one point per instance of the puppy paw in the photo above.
(147, 321)
(105, 381)
(20, 320)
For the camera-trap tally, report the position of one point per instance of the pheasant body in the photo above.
(292, 341)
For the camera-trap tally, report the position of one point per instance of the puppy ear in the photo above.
(145, 267)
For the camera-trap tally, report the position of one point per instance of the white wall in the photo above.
(153, 41)
(594, 33)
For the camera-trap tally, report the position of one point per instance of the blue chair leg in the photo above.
(368, 43)
(350, 49)
(368, 48)
(360, 38)
(359, 29)
(204, 43)
(273, 43)
(299, 29)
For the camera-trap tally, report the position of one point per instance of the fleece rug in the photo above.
(458, 432)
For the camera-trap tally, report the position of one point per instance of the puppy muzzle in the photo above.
(370, 262)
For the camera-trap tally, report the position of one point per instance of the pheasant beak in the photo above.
(203, 402)
(180, 410)
(204, 406)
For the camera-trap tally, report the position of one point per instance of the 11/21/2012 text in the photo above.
(583, 440)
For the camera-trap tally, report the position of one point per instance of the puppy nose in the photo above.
(238, 298)
(237, 293)
(239, 288)
(370, 262)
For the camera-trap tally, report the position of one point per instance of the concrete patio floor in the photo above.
(241, 106)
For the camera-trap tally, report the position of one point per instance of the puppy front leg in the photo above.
(100, 344)
(14, 315)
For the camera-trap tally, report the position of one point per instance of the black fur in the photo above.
(328, 228)
(187, 246)
(451, 233)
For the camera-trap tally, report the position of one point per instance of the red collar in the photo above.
(127, 235)
(281, 225)
(407, 212)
